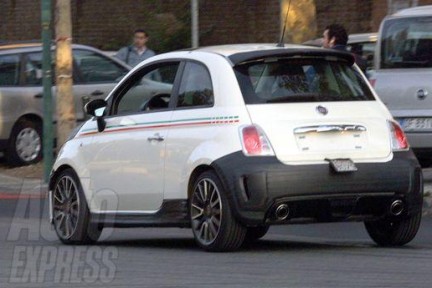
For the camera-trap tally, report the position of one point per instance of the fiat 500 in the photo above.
(229, 140)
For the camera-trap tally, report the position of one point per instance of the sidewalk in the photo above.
(13, 187)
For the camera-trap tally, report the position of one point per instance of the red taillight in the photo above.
(399, 140)
(251, 140)
(254, 142)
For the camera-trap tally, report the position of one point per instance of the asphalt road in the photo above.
(314, 255)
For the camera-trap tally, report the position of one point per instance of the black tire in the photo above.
(388, 232)
(25, 143)
(213, 225)
(255, 233)
(71, 216)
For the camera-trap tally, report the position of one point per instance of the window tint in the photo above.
(149, 89)
(407, 43)
(300, 80)
(366, 50)
(9, 70)
(196, 88)
(33, 69)
(95, 68)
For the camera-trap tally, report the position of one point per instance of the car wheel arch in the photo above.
(56, 173)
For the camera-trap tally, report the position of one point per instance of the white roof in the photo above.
(415, 11)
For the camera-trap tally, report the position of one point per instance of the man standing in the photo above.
(336, 37)
(138, 51)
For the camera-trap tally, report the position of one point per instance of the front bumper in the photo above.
(315, 193)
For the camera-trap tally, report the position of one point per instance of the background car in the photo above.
(362, 44)
(229, 140)
(21, 108)
(403, 74)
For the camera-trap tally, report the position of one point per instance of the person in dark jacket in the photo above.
(336, 37)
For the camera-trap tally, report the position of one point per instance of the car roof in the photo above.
(23, 46)
(415, 11)
(238, 53)
(352, 39)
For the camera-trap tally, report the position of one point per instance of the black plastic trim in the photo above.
(173, 213)
(255, 184)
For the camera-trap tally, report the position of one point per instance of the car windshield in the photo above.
(407, 43)
(306, 79)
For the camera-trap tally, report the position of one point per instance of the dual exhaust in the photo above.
(397, 207)
(282, 211)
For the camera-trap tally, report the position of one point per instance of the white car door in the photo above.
(126, 162)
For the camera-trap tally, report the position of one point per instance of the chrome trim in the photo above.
(329, 128)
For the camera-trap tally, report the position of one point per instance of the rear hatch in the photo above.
(314, 108)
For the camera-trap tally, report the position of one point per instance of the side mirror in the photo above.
(97, 108)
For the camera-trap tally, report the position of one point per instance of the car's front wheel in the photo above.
(394, 232)
(71, 216)
(25, 143)
(213, 225)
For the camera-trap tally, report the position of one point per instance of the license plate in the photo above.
(415, 124)
(342, 165)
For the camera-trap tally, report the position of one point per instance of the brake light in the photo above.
(398, 137)
(255, 142)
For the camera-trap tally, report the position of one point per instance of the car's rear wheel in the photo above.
(394, 232)
(71, 216)
(25, 143)
(213, 225)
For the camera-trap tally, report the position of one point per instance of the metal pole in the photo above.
(195, 25)
(48, 141)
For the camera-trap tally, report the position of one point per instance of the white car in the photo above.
(232, 139)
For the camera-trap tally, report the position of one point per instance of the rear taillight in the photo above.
(398, 137)
(255, 142)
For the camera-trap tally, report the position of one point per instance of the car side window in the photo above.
(149, 89)
(9, 70)
(95, 68)
(196, 86)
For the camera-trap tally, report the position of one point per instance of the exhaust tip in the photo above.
(282, 212)
(396, 207)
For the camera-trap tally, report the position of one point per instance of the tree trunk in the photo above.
(65, 105)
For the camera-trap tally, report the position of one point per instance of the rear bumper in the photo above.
(314, 193)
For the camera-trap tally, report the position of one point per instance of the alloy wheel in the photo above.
(66, 206)
(206, 211)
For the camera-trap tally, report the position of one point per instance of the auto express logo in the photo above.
(39, 257)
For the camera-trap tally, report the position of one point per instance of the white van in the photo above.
(403, 76)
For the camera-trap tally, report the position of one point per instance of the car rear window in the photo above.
(406, 43)
(307, 79)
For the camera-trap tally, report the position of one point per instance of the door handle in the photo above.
(97, 93)
(156, 137)
(39, 95)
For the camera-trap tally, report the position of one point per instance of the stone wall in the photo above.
(109, 24)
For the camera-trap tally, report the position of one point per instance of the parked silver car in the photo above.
(403, 75)
(21, 103)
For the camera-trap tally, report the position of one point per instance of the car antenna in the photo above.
(281, 42)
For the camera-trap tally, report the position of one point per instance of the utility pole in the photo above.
(195, 24)
(47, 85)
(65, 101)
